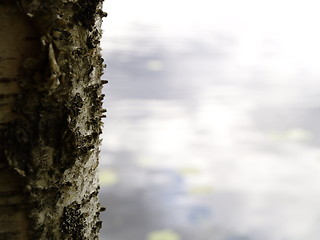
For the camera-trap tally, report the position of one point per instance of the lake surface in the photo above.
(212, 130)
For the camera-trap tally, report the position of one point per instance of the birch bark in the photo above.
(50, 119)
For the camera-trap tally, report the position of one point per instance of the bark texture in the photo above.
(50, 119)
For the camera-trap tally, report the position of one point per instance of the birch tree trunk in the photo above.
(50, 119)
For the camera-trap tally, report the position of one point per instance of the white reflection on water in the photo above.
(212, 126)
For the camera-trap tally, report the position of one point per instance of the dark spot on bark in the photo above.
(104, 81)
(95, 136)
(77, 104)
(51, 126)
(73, 221)
(99, 224)
(90, 43)
(92, 89)
(86, 12)
(92, 40)
(90, 70)
(86, 149)
(102, 13)
(65, 37)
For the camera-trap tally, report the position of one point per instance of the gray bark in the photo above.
(50, 118)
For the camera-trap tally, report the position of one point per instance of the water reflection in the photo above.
(201, 144)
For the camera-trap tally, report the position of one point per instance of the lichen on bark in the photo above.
(50, 118)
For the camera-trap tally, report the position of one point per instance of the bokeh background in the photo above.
(212, 130)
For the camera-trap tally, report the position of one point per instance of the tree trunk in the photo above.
(50, 119)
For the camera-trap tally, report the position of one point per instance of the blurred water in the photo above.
(212, 128)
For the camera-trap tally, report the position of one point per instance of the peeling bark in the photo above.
(50, 118)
